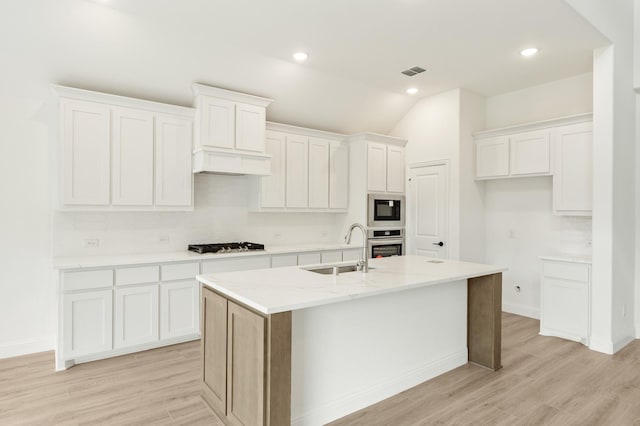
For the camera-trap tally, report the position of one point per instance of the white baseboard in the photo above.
(380, 391)
(26, 347)
(623, 342)
(607, 346)
(62, 364)
(522, 310)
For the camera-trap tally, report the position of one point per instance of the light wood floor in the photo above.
(544, 381)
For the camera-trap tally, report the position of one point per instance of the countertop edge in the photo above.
(571, 259)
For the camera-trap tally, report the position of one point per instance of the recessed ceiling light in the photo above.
(300, 56)
(530, 51)
(412, 90)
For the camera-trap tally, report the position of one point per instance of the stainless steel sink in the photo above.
(333, 270)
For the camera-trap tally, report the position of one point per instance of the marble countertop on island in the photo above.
(286, 289)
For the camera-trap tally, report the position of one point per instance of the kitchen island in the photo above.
(292, 346)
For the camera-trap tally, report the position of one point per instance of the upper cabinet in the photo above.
(561, 147)
(384, 158)
(309, 173)
(230, 132)
(120, 153)
(573, 174)
(514, 155)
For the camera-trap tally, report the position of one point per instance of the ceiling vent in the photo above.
(413, 71)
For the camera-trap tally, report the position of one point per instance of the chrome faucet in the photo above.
(363, 264)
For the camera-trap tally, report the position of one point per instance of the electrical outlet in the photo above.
(164, 239)
(91, 243)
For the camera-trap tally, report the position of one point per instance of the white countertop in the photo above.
(286, 289)
(568, 258)
(77, 262)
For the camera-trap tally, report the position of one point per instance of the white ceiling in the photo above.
(351, 82)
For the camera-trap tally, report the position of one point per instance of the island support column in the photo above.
(484, 320)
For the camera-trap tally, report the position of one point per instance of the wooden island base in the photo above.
(246, 355)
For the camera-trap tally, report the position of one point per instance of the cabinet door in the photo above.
(87, 323)
(217, 122)
(331, 256)
(318, 173)
(214, 349)
(377, 167)
(565, 309)
(174, 178)
(136, 315)
(179, 309)
(351, 254)
(250, 127)
(86, 153)
(338, 175)
(132, 158)
(492, 157)
(573, 174)
(309, 258)
(530, 153)
(297, 171)
(245, 366)
(272, 191)
(395, 169)
(282, 260)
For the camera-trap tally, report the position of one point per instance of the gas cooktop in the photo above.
(225, 247)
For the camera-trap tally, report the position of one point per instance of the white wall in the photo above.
(26, 286)
(614, 219)
(221, 214)
(569, 96)
(520, 225)
(431, 128)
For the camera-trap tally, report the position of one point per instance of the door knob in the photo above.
(438, 244)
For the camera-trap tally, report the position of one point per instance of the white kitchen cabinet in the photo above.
(530, 153)
(565, 299)
(285, 259)
(87, 322)
(240, 263)
(136, 315)
(174, 178)
(132, 157)
(86, 153)
(385, 167)
(352, 254)
(318, 173)
(309, 258)
(297, 171)
(573, 174)
(179, 308)
(121, 153)
(395, 169)
(216, 122)
(338, 175)
(332, 256)
(272, 188)
(376, 167)
(492, 157)
(250, 127)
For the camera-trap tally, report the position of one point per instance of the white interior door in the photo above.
(428, 211)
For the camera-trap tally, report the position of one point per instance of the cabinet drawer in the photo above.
(566, 271)
(83, 280)
(242, 263)
(282, 260)
(308, 259)
(331, 256)
(180, 271)
(139, 275)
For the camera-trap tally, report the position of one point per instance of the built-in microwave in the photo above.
(386, 210)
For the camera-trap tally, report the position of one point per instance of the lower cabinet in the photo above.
(136, 315)
(240, 348)
(179, 313)
(565, 300)
(87, 322)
